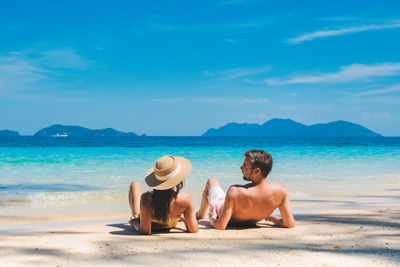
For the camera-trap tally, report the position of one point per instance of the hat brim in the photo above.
(152, 181)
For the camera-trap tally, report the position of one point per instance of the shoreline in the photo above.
(303, 210)
(19, 214)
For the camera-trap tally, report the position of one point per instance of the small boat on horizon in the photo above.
(60, 135)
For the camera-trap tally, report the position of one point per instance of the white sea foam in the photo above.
(58, 196)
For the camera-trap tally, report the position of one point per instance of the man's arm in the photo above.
(287, 219)
(226, 212)
(286, 212)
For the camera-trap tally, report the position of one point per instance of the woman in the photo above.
(166, 205)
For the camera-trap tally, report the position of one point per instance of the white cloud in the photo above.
(346, 74)
(15, 72)
(20, 67)
(260, 116)
(338, 18)
(232, 100)
(386, 100)
(165, 26)
(250, 81)
(290, 94)
(23, 73)
(208, 73)
(392, 89)
(375, 116)
(327, 33)
(168, 100)
(213, 100)
(62, 59)
(231, 74)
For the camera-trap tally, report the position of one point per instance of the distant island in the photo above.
(59, 130)
(271, 128)
(8, 133)
(291, 128)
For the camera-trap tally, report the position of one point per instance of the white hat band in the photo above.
(172, 174)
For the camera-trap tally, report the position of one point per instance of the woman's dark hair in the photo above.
(161, 202)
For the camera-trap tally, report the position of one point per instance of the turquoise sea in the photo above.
(45, 169)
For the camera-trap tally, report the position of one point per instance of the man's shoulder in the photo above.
(277, 190)
(267, 188)
(276, 186)
(237, 190)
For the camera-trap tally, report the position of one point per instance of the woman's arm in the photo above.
(145, 215)
(190, 217)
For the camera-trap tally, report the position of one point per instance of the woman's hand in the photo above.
(135, 223)
(182, 219)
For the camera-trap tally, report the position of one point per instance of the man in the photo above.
(249, 203)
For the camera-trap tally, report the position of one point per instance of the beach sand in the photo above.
(352, 235)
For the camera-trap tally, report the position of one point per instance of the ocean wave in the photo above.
(26, 197)
(48, 187)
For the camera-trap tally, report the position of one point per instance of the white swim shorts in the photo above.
(216, 197)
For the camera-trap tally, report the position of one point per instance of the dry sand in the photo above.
(357, 236)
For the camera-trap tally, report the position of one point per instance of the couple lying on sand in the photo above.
(241, 205)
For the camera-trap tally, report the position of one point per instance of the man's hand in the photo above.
(213, 222)
(275, 220)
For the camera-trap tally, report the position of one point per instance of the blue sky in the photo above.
(181, 67)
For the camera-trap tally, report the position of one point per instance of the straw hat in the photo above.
(168, 172)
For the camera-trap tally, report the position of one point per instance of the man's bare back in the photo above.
(249, 203)
(254, 203)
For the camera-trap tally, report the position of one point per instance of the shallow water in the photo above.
(36, 169)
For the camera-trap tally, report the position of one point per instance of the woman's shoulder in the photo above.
(146, 196)
(184, 198)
